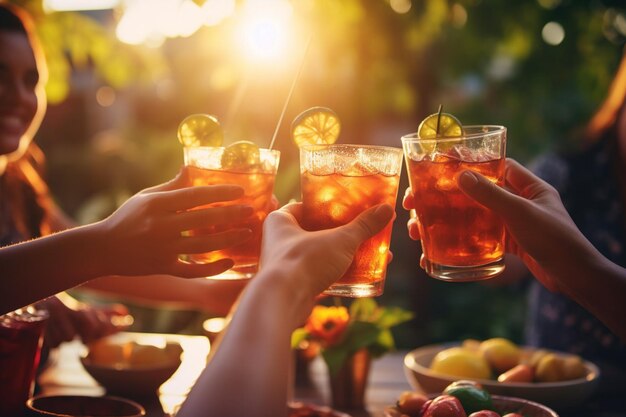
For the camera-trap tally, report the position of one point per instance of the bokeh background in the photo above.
(126, 72)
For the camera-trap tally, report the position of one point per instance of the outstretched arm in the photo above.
(248, 372)
(543, 235)
(142, 237)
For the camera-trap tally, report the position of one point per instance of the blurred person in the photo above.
(28, 211)
(592, 184)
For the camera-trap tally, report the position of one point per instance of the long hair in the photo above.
(604, 121)
(25, 200)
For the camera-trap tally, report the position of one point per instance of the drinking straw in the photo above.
(293, 85)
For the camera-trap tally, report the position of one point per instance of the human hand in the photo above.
(70, 318)
(321, 257)
(540, 231)
(144, 236)
(413, 223)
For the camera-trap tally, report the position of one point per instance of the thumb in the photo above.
(370, 222)
(486, 192)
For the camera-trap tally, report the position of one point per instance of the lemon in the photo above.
(500, 353)
(200, 130)
(461, 362)
(316, 126)
(241, 155)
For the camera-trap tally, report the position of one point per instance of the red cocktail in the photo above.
(21, 337)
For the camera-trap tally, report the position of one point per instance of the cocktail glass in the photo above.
(461, 240)
(21, 337)
(338, 183)
(208, 166)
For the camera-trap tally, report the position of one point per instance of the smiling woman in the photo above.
(28, 211)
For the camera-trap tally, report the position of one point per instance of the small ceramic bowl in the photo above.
(129, 368)
(83, 406)
(558, 395)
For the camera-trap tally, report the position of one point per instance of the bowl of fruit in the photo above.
(557, 379)
(465, 398)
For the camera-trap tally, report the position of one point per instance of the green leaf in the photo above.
(335, 358)
(363, 309)
(393, 316)
(298, 336)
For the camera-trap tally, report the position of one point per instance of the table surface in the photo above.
(66, 375)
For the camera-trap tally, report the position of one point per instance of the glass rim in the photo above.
(491, 130)
(264, 150)
(312, 147)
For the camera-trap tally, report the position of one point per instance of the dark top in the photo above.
(588, 185)
(21, 215)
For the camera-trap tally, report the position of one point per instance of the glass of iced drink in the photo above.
(21, 337)
(209, 166)
(241, 163)
(461, 240)
(339, 182)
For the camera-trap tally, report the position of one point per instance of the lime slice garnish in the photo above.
(440, 125)
(200, 130)
(241, 155)
(316, 126)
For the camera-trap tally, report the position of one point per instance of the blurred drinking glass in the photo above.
(21, 338)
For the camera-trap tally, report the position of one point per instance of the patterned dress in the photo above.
(588, 185)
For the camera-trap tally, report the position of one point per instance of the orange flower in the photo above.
(327, 323)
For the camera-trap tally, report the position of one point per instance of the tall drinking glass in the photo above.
(461, 240)
(21, 337)
(207, 166)
(338, 183)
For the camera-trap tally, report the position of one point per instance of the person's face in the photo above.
(18, 83)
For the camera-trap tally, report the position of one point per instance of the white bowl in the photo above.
(559, 395)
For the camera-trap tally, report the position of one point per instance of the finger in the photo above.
(370, 222)
(215, 241)
(407, 201)
(294, 209)
(87, 324)
(52, 338)
(187, 270)
(518, 177)
(488, 194)
(196, 219)
(65, 330)
(413, 228)
(189, 197)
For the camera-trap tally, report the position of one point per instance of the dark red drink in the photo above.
(21, 337)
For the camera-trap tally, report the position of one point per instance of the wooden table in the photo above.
(387, 381)
(66, 375)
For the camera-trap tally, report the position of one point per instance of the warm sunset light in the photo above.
(265, 28)
(150, 23)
